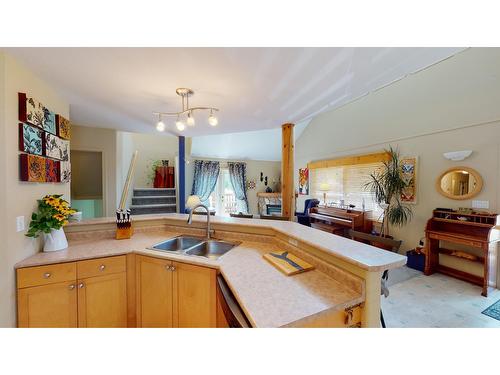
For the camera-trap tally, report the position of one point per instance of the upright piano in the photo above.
(338, 220)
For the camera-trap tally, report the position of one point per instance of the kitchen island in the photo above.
(346, 277)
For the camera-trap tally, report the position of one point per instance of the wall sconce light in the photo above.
(457, 155)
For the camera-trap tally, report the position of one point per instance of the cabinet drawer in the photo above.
(43, 275)
(101, 266)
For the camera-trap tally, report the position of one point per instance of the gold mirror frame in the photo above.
(473, 172)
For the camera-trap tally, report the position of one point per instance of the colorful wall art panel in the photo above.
(409, 172)
(30, 110)
(304, 181)
(56, 147)
(52, 170)
(49, 121)
(65, 171)
(32, 168)
(63, 127)
(31, 139)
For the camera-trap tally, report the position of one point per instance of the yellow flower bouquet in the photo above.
(53, 213)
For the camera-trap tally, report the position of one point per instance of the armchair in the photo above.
(303, 217)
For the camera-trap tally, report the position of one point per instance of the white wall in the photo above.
(18, 198)
(450, 106)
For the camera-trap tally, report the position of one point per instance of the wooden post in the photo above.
(287, 188)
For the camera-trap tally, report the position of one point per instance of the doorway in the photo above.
(223, 198)
(87, 183)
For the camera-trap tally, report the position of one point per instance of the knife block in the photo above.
(124, 231)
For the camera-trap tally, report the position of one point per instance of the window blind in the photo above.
(347, 183)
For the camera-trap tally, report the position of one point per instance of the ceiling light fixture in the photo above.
(160, 125)
(190, 119)
(185, 93)
(212, 120)
(179, 124)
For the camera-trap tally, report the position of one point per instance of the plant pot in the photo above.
(55, 240)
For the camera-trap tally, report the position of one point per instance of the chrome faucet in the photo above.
(190, 219)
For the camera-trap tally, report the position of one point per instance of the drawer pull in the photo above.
(172, 268)
(81, 285)
(102, 267)
(72, 286)
(46, 275)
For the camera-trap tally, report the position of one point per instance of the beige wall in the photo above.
(150, 148)
(18, 198)
(86, 138)
(450, 106)
(272, 169)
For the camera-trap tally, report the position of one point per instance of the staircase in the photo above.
(153, 201)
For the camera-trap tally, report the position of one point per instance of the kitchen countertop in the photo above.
(269, 298)
(364, 256)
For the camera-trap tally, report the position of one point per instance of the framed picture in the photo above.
(52, 170)
(56, 148)
(63, 127)
(409, 172)
(30, 110)
(31, 139)
(304, 181)
(49, 121)
(32, 168)
(65, 171)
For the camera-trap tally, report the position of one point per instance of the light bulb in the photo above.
(212, 120)
(190, 119)
(160, 126)
(180, 125)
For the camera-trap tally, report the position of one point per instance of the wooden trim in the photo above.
(350, 160)
(269, 195)
(131, 293)
(473, 172)
(287, 170)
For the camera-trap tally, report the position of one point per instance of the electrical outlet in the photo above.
(19, 223)
(481, 204)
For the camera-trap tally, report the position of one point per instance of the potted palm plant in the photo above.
(53, 213)
(387, 185)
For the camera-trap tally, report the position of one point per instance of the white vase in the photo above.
(55, 240)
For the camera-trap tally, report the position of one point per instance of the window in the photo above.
(347, 184)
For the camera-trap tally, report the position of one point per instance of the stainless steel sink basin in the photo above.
(211, 249)
(177, 243)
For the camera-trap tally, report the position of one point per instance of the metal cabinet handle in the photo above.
(46, 275)
(167, 268)
(172, 268)
(102, 267)
(72, 286)
(81, 285)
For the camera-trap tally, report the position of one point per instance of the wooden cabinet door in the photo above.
(195, 296)
(48, 306)
(153, 292)
(102, 301)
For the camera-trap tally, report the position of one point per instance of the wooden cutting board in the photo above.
(292, 265)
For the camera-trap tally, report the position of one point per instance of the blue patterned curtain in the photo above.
(238, 178)
(205, 178)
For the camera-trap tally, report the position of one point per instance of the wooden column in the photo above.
(287, 188)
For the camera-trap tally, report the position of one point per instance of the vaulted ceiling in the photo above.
(255, 88)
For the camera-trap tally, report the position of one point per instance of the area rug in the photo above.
(493, 311)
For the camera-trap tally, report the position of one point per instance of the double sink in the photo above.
(187, 245)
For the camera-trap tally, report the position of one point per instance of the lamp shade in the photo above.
(324, 187)
(192, 201)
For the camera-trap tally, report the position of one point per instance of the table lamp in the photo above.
(192, 201)
(324, 187)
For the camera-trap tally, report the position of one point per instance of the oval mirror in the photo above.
(459, 183)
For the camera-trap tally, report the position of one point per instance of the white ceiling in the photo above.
(255, 88)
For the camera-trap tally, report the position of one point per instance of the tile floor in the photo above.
(417, 301)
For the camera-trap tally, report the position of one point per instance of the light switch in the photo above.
(481, 204)
(20, 223)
